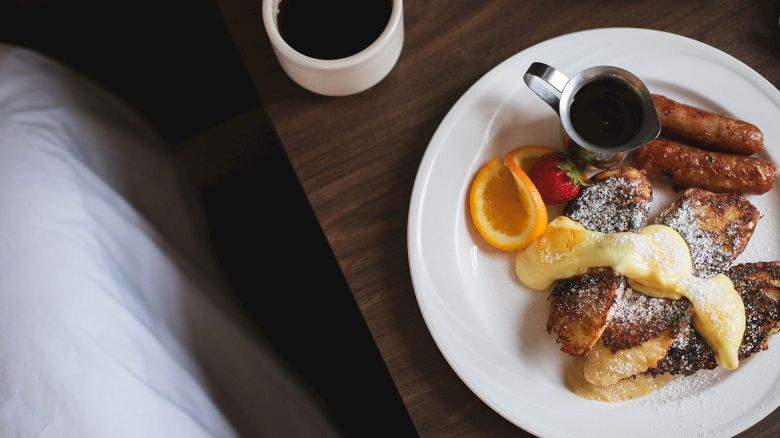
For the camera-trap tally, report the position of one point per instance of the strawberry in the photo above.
(556, 178)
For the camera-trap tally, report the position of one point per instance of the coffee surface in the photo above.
(332, 29)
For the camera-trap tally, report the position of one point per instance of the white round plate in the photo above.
(491, 329)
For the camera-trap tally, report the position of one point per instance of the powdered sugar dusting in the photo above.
(709, 257)
(610, 206)
(642, 308)
(549, 256)
(669, 260)
(638, 317)
(688, 387)
(687, 395)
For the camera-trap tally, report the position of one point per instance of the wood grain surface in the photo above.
(357, 156)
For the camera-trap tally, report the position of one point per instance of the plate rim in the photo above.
(423, 173)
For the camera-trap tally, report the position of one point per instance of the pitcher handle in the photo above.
(546, 82)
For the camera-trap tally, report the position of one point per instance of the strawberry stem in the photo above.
(573, 173)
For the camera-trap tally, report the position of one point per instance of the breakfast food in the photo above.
(505, 207)
(722, 167)
(686, 166)
(664, 322)
(557, 178)
(641, 337)
(759, 286)
(638, 318)
(581, 306)
(657, 262)
(707, 130)
(625, 389)
(639, 305)
(688, 353)
(644, 336)
(605, 366)
(614, 200)
(524, 157)
(599, 305)
(716, 226)
(667, 343)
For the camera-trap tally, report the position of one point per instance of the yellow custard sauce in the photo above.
(657, 262)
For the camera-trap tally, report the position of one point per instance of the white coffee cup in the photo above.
(338, 77)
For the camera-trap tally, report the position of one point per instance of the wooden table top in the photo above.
(357, 156)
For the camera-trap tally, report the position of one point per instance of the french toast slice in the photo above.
(687, 354)
(759, 286)
(580, 308)
(601, 305)
(615, 200)
(637, 318)
(716, 226)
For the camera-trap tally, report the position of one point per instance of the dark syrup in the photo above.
(606, 113)
(332, 29)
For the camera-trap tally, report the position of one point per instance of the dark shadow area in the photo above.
(280, 264)
(173, 60)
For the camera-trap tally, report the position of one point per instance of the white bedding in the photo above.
(113, 321)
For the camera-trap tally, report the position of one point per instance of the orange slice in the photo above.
(525, 156)
(506, 207)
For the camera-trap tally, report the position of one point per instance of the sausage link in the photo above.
(686, 166)
(701, 128)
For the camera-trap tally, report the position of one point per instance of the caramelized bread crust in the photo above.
(759, 286)
(717, 227)
(600, 305)
(638, 318)
(687, 354)
(580, 308)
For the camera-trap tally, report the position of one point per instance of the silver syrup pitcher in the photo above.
(559, 92)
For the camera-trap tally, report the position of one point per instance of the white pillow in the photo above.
(113, 318)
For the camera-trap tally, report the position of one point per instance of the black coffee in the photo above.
(332, 29)
(606, 113)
